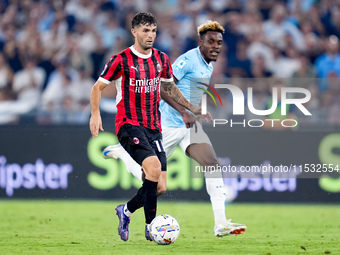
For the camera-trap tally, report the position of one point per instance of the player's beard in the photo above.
(144, 45)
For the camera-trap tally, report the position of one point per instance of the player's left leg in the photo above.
(205, 155)
(198, 146)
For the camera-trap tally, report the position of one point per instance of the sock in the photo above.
(126, 211)
(136, 202)
(215, 188)
(131, 165)
(149, 200)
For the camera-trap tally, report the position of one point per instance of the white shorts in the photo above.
(183, 137)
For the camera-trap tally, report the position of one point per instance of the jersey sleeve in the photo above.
(167, 69)
(112, 70)
(181, 66)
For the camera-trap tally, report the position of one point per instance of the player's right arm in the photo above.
(112, 70)
(96, 120)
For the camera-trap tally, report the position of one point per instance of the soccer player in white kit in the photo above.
(178, 128)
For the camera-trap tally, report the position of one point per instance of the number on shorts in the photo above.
(159, 145)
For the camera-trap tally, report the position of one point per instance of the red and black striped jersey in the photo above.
(137, 78)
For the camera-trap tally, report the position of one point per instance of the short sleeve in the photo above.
(167, 69)
(112, 69)
(181, 66)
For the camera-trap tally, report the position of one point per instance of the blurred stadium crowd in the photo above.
(52, 51)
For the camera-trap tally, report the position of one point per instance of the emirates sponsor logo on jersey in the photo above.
(144, 85)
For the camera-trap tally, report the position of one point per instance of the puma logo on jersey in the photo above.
(133, 67)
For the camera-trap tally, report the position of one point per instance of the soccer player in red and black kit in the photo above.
(138, 72)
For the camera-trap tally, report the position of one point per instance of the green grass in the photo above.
(90, 227)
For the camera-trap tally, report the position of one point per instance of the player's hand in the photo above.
(95, 125)
(198, 112)
(207, 117)
(188, 118)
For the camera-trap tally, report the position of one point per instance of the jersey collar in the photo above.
(138, 54)
(198, 48)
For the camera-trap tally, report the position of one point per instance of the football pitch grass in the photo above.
(90, 227)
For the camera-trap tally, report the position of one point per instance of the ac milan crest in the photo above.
(159, 67)
(136, 140)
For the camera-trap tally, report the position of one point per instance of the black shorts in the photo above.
(141, 142)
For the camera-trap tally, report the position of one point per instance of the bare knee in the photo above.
(152, 168)
(209, 161)
(203, 153)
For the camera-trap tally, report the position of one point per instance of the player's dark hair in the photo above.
(143, 18)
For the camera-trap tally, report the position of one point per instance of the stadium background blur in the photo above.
(53, 51)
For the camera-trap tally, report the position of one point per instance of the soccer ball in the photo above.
(164, 229)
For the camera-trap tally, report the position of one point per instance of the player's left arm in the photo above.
(175, 94)
(188, 118)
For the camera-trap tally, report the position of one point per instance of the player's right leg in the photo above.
(145, 148)
(171, 138)
(152, 170)
(118, 152)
